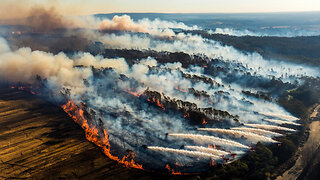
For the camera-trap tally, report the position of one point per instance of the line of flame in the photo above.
(92, 134)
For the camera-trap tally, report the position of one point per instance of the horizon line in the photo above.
(267, 12)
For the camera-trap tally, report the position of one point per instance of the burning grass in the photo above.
(97, 137)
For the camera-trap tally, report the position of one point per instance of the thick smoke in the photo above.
(193, 44)
(269, 127)
(156, 27)
(282, 122)
(251, 136)
(257, 131)
(122, 23)
(40, 19)
(45, 20)
(208, 150)
(211, 140)
(125, 23)
(115, 95)
(57, 69)
(184, 152)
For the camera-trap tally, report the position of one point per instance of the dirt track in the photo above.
(308, 154)
(39, 141)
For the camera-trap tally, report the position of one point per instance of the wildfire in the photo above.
(93, 135)
(172, 171)
(186, 115)
(133, 93)
(212, 162)
(23, 88)
(158, 103)
(177, 164)
(153, 99)
(213, 147)
(204, 121)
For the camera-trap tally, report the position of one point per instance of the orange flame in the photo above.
(154, 100)
(213, 147)
(92, 134)
(204, 121)
(158, 103)
(23, 88)
(212, 162)
(186, 115)
(177, 164)
(172, 171)
(133, 93)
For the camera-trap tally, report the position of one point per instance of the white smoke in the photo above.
(193, 44)
(282, 122)
(208, 150)
(281, 116)
(239, 134)
(211, 139)
(270, 127)
(132, 122)
(184, 152)
(262, 33)
(257, 131)
(156, 27)
(233, 32)
(57, 69)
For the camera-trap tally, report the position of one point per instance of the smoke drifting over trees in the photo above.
(175, 97)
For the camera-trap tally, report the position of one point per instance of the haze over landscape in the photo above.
(86, 7)
(174, 89)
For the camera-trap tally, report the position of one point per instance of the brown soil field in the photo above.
(39, 141)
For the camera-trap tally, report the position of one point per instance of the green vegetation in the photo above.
(261, 162)
(297, 101)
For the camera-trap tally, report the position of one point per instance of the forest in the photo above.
(303, 49)
(268, 161)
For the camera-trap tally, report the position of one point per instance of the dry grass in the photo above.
(39, 141)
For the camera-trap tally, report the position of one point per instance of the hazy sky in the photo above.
(78, 7)
(194, 6)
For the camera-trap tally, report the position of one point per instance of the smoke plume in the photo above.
(154, 109)
(156, 27)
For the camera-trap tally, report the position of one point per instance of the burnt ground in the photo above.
(39, 141)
